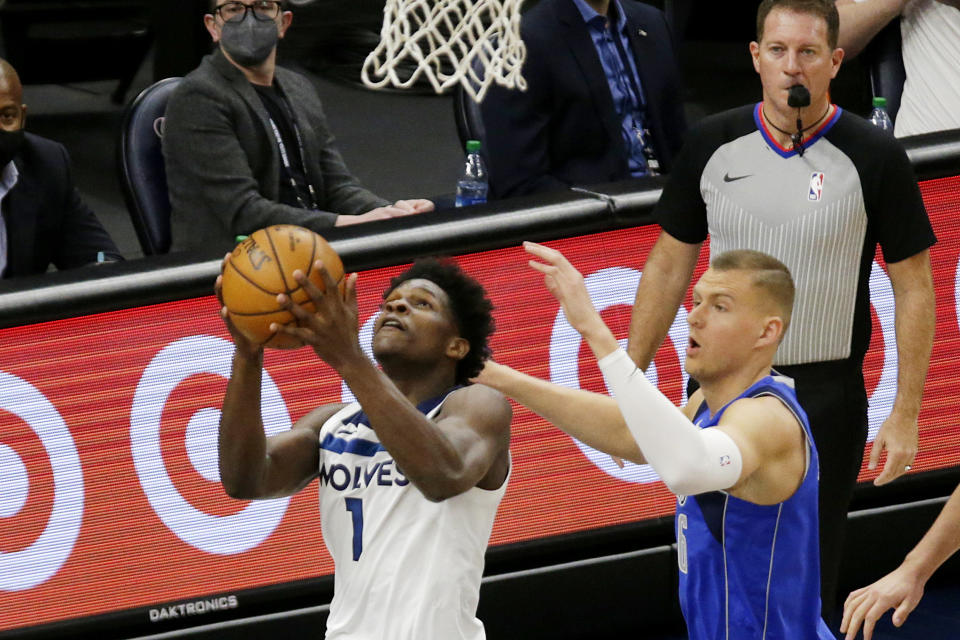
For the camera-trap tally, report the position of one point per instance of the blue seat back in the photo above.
(142, 172)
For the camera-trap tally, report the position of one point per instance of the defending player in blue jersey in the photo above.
(739, 456)
(410, 475)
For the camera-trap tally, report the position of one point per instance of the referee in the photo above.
(818, 188)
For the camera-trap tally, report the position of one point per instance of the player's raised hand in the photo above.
(565, 283)
(244, 346)
(901, 590)
(898, 436)
(331, 329)
(567, 286)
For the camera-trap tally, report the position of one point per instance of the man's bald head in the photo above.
(10, 82)
(12, 109)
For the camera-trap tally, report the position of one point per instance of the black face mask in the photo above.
(10, 144)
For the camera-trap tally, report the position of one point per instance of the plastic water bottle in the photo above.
(472, 185)
(879, 116)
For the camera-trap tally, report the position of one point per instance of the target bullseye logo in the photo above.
(881, 400)
(40, 560)
(608, 288)
(218, 534)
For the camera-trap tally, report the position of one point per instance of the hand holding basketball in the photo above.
(261, 268)
(243, 344)
(328, 323)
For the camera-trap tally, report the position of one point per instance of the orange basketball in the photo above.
(261, 267)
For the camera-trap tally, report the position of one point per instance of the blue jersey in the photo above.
(749, 571)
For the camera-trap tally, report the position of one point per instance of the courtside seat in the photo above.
(143, 177)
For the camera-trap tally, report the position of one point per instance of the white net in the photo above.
(473, 42)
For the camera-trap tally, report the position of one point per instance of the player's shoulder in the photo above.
(316, 419)
(769, 412)
(474, 399)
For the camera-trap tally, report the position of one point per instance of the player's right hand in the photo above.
(243, 344)
(900, 590)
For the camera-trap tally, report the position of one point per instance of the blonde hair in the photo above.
(770, 275)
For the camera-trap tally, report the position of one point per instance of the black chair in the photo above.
(143, 177)
(885, 60)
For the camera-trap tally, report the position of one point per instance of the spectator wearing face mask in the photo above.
(43, 220)
(246, 142)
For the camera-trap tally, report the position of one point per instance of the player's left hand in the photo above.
(332, 327)
(898, 435)
(899, 589)
(416, 205)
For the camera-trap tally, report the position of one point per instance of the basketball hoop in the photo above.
(471, 42)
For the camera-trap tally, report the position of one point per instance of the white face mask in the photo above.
(249, 41)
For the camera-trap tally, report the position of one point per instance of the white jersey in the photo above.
(931, 58)
(405, 567)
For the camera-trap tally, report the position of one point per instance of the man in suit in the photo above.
(246, 142)
(43, 221)
(602, 102)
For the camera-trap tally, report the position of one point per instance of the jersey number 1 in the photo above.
(355, 507)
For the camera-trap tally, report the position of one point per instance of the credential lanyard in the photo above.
(640, 129)
(289, 168)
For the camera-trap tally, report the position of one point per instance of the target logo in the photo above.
(608, 288)
(222, 534)
(24, 463)
(881, 400)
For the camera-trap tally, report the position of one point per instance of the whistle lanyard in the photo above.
(285, 158)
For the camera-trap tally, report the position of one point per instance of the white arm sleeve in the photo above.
(690, 460)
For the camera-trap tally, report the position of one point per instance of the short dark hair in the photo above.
(471, 309)
(825, 9)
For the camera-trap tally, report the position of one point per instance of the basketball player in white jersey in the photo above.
(410, 475)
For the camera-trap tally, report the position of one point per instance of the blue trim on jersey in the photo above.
(425, 407)
(357, 446)
(787, 153)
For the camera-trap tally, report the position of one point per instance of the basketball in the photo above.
(261, 267)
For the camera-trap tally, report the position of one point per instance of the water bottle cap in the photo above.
(880, 102)
(473, 145)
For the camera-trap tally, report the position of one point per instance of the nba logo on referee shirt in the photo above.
(816, 187)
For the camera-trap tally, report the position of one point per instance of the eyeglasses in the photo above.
(237, 11)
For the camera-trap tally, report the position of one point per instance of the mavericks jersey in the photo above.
(405, 567)
(750, 571)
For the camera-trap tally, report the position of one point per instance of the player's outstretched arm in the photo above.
(591, 418)
(252, 465)
(902, 588)
(688, 459)
(466, 446)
